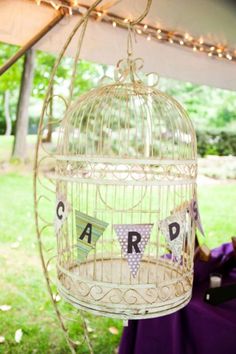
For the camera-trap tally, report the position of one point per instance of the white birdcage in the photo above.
(126, 175)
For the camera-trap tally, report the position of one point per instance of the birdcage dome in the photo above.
(130, 120)
(126, 167)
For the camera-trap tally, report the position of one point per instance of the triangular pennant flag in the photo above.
(88, 229)
(195, 215)
(173, 228)
(133, 239)
(62, 210)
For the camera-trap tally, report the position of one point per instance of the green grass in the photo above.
(22, 283)
(23, 286)
(218, 210)
(6, 145)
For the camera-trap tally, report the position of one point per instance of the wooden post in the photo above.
(19, 148)
(31, 42)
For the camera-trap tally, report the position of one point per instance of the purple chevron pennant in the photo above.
(62, 210)
(133, 239)
(195, 215)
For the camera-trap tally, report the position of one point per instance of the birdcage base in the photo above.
(160, 288)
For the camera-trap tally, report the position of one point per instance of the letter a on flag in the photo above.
(133, 239)
(88, 229)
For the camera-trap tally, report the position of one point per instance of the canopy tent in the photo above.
(212, 20)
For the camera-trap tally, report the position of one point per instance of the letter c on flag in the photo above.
(60, 210)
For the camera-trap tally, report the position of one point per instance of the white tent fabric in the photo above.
(213, 19)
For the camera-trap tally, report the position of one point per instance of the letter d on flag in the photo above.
(173, 228)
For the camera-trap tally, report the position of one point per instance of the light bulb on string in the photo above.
(201, 41)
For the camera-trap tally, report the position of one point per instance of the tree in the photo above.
(9, 88)
(7, 113)
(19, 148)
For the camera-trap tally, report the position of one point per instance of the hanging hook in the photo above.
(138, 19)
(144, 14)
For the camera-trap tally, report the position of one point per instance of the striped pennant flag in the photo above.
(89, 230)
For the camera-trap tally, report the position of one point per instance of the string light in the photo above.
(188, 37)
(201, 41)
(164, 35)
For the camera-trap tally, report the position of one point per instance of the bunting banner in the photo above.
(88, 229)
(62, 210)
(195, 215)
(173, 228)
(133, 239)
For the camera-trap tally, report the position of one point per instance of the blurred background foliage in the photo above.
(213, 111)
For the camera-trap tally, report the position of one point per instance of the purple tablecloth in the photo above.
(199, 328)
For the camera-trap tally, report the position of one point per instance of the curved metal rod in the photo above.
(138, 19)
(74, 31)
